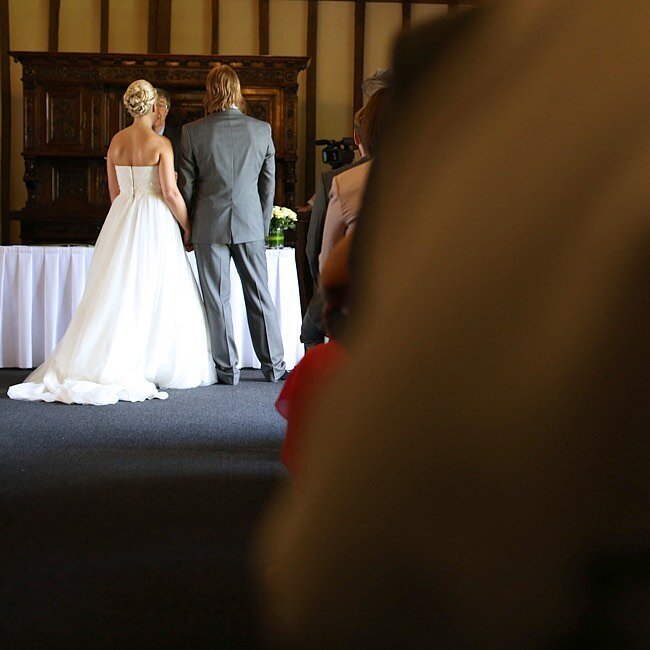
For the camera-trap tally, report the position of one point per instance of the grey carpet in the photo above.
(231, 428)
(130, 525)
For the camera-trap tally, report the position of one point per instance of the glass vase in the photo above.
(275, 238)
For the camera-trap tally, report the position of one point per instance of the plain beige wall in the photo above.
(79, 31)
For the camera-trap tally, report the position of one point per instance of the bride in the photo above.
(141, 323)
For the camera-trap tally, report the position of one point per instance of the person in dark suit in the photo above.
(227, 178)
(160, 125)
(313, 325)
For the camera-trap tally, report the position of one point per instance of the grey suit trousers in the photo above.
(213, 263)
(313, 330)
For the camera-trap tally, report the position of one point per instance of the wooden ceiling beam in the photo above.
(406, 14)
(263, 26)
(53, 27)
(359, 49)
(214, 42)
(160, 23)
(103, 38)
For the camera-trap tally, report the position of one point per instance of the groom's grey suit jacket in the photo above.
(226, 173)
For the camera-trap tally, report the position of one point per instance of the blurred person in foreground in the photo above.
(494, 492)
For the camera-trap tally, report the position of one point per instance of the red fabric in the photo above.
(300, 391)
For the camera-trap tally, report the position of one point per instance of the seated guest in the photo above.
(160, 125)
(348, 188)
(313, 326)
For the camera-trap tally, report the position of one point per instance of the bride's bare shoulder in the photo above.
(117, 141)
(163, 143)
(121, 135)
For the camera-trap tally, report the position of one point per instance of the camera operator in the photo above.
(313, 326)
(347, 191)
(338, 153)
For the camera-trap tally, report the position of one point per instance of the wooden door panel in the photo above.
(65, 120)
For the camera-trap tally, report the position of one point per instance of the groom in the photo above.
(226, 173)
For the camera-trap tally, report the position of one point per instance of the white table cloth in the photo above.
(41, 286)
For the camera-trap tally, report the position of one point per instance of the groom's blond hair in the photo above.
(223, 89)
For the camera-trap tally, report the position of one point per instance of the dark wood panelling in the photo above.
(53, 31)
(72, 107)
(263, 11)
(160, 18)
(359, 45)
(103, 39)
(310, 120)
(452, 6)
(214, 41)
(5, 150)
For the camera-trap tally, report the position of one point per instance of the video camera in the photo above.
(337, 152)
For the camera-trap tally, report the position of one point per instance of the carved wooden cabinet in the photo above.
(73, 107)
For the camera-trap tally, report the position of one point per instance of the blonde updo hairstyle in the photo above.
(139, 98)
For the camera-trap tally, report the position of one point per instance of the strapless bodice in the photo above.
(138, 180)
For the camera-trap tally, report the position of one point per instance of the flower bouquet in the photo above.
(282, 219)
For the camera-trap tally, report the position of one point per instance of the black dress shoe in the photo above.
(228, 381)
(285, 375)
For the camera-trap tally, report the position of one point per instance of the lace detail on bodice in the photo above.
(138, 180)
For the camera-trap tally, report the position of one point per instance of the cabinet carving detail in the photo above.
(96, 142)
(101, 187)
(63, 115)
(259, 109)
(290, 119)
(290, 181)
(29, 118)
(31, 181)
(70, 181)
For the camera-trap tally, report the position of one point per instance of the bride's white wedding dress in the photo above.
(141, 323)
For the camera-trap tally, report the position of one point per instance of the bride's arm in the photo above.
(111, 174)
(170, 191)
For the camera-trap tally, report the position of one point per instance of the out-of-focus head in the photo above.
(383, 78)
(139, 98)
(223, 89)
(373, 120)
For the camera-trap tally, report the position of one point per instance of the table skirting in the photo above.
(41, 286)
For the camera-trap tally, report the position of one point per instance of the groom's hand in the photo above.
(187, 241)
